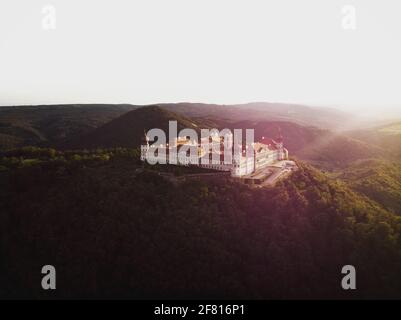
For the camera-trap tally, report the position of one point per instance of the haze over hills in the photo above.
(92, 126)
(384, 136)
(316, 144)
(324, 117)
(127, 130)
(305, 142)
(300, 114)
(46, 124)
(309, 142)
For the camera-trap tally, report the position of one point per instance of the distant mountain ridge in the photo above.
(300, 114)
(105, 126)
(49, 125)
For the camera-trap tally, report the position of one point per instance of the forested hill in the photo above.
(50, 124)
(379, 180)
(115, 231)
(110, 126)
(128, 129)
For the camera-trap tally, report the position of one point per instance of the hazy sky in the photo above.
(223, 51)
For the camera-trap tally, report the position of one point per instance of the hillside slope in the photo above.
(340, 151)
(378, 180)
(50, 124)
(113, 231)
(312, 144)
(387, 137)
(128, 129)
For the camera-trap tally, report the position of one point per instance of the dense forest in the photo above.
(75, 195)
(379, 180)
(113, 228)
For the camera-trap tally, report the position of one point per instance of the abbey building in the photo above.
(211, 153)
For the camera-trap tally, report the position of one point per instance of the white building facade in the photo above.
(242, 162)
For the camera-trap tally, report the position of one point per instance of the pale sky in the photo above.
(213, 51)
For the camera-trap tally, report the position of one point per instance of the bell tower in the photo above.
(280, 145)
